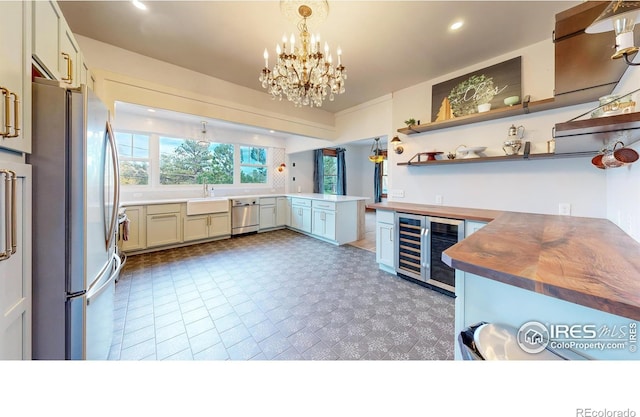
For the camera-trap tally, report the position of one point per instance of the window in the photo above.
(383, 175)
(330, 164)
(253, 165)
(133, 156)
(186, 161)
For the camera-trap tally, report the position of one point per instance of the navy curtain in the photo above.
(377, 186)
(342, 172)
(318, 171)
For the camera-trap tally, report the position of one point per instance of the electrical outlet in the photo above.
(564, 209)
(397, 193)
(439, 199)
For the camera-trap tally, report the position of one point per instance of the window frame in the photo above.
(240, 165)
(332, 153)
(384, 167)
(148, 159)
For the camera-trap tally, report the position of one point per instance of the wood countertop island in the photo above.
(586, 261)
(462, 213)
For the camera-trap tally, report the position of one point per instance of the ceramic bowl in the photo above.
(510, 101)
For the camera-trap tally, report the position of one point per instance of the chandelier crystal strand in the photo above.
(305, 75)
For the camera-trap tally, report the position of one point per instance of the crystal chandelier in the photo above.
(302, 72)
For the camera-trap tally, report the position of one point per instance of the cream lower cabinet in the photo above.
(15, 261)
(301, 214)
(283, 211)
(136, 236)
(206, 226)
(268, 213)
(385, 243)
(323, 223)
(163, 225)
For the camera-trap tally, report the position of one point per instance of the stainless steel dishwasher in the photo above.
(245, 215)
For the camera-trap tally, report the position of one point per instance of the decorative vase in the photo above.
(484, 107)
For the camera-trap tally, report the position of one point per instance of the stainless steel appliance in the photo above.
(75, 217)
(245, 215)
(419, 245)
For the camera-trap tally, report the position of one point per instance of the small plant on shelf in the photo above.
(410, 122)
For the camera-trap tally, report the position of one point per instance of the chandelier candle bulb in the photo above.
(266, 58)
(305, 75)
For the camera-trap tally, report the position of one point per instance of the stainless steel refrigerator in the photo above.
(75, 209)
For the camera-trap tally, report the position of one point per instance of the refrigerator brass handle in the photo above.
(69, 77)
(7, 112)
(116, 186)
(16, 116)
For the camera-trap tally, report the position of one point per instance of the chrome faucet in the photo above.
(205, 188)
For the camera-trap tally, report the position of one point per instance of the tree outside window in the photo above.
(330, 179)
(186, 161)
(253, 165)
(133, 156)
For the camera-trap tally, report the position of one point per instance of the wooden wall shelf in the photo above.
(506, 158)
(526, 107)
(597, 125)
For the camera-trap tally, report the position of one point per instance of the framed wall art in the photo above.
(499, 85)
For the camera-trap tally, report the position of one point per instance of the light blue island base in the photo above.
(593, 333)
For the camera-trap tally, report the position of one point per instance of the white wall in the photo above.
(302, 172)
(126, 76)
(623, 184)
(530, 186)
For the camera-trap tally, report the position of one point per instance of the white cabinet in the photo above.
(268, 210)
(324, 220)
(69, 57)
(15, 76)
(206, 226)
(15, 261)
(163, 225)
(283, 211)
(136, 236)
(472, 226)
(55, 50)
(385, 244)
(301, 214)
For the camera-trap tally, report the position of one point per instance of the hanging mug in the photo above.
(516, 131)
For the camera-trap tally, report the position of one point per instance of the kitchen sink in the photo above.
(207, 205)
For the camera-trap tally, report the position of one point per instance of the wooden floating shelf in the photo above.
(505, 158)
(598, 125)
(526, 107)
(522, 108)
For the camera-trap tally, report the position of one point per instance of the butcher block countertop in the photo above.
(586, 261)
(439, 211)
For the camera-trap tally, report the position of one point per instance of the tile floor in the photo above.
(277, 295)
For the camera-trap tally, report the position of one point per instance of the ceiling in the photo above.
(387, 45)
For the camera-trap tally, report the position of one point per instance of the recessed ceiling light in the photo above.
(456, 25)
(272, 131)
(151, 110)
(139, 4)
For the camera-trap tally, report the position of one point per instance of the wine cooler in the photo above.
(420, 242)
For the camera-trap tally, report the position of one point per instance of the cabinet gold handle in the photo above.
(69, 77)
(10, 214)
(7, 111)
(16, 115)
